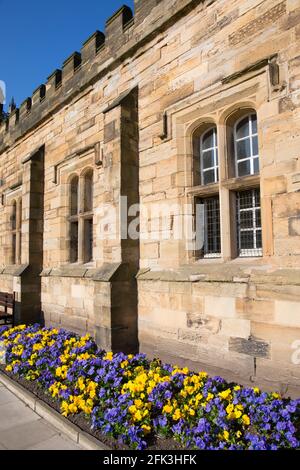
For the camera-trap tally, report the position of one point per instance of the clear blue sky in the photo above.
(37, 36)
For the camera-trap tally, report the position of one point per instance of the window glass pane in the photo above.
(14, 217)
(208, 159)
(208, 140)
(243, 149)
(254, 123)
(208, 177)
(88, 240)
(74, 242)
(14, 249)
(246, 219)
(20, 247)
(255, 145)
(257, 197)
(20, 215)
(258, 239)
(256, 165)
(244, 168)
(242, 129)
(247, 240)
(245, 199)
(258, 217)
(74, 196)
(212, 231)
(88, 192)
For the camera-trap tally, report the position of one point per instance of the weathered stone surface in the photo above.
(133, 110)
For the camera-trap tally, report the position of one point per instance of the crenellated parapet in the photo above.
(124, 34)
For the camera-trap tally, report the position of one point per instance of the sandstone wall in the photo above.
(128, 108)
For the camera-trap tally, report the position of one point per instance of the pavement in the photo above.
(22, 429)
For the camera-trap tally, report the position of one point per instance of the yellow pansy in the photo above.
(225, 394)
(146, 428)
(109, 356)
(167, 409)
(246, 420)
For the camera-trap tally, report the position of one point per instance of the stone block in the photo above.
(287, 313)
(234, 327)
(221, 307)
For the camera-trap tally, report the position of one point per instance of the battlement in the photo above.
(124, 34)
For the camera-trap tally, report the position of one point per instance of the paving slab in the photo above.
(23, 429)
(15, 413)
(6, 397)
(56, 443)
(27, 435)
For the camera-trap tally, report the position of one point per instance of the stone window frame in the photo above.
(16, 230)
(83, 216)
(228, 185)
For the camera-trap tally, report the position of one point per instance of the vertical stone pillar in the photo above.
(116, 307)
(29, 309)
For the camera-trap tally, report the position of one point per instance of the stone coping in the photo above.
(106, 273)
(45, 411)
(224, 273)
(14, 270)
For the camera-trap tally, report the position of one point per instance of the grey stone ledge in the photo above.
(14, 270)
(106, 273)
(226, 273)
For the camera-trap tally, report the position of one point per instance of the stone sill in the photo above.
(224, 273)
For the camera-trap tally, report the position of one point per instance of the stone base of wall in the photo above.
(102, 302)
(241, 324)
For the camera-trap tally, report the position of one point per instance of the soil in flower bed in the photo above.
(82, 422)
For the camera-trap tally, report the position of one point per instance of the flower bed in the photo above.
(133, 399)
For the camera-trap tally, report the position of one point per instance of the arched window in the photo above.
(74, 218)
(206, 173)
(246, 146)
(16, 227)
(81, 218)
(88, 217)
(88, 191)
(14, 216)
(209, 164)
(74, 195)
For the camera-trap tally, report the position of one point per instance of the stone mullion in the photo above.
(224, 195)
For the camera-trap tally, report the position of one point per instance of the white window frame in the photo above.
(246, 253)
(215, 254)
(215, 167)
(250, 136)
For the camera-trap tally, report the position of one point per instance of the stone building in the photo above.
(190, 108)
